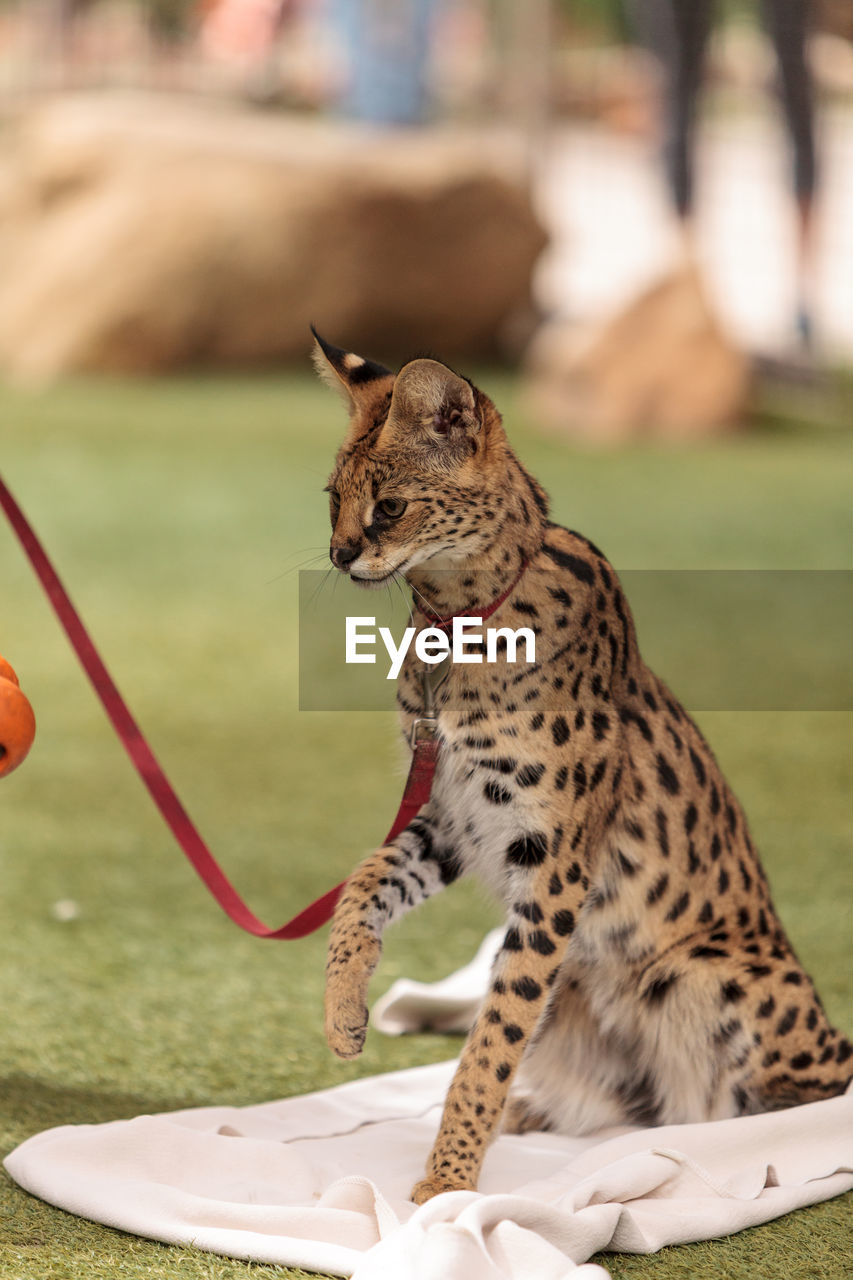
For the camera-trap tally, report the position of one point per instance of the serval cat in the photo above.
(644, 974)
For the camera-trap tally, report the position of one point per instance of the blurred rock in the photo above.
(835, 16)
(617, 85)
(661, 368)
(141, 234)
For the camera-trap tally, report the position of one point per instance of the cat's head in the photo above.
(417, 478)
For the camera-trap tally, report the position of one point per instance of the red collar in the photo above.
(444, 624)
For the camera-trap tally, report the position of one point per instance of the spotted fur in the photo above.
(644, 975)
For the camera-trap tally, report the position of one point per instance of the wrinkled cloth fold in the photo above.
(447, 1006)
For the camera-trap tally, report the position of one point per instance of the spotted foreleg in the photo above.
(384, 887)
(539, 931)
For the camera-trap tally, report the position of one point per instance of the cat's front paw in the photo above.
(346, 1028)
(434, 1185)
(346, 999)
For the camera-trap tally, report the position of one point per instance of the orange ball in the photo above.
(17, 722)
(7, 672)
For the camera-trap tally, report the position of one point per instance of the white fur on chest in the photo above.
(479, 830)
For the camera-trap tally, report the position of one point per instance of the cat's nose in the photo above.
(344, 554)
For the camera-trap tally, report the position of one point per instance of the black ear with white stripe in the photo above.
(344, 370)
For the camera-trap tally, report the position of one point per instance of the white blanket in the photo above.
(447, 1006)
(321, 1181)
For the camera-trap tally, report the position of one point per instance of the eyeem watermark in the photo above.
(723, 640)
(432, 645)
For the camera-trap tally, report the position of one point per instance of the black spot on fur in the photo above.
(579, 568)
(496, 794)
(539, 942)
(530, 775)
(560, 731)
(513, 1032)
(600, 725)
(732, 992)
(663, 835)
(627, 867)
(659, 987)
(667, 776)
(658, 889)
(679, 907)
(502, 1071)
(563, 922)
(561, 777)
(528, 851)
(637, 1094)
(787, 1021)
(698, 767)
(728, 1030)
(627, 716)
(501, 764)
(527, 988)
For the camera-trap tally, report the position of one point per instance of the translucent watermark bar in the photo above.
(723, 640)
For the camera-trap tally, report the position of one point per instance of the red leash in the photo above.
(415, 795)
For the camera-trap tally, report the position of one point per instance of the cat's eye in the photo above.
(391, 508)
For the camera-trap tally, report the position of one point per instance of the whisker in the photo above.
(312, 564)
(320, 585)
(320, 554)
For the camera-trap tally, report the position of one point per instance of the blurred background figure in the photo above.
(387, 45)
(159, 157)
(245, 31)
(678, 32)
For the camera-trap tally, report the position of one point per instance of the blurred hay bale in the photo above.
(662, 367)
(142, 234)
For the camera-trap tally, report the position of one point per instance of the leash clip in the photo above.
(426, 726)
(423, 727)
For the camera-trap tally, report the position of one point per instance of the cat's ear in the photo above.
(431, 404)
(344, 371)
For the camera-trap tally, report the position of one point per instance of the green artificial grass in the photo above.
(178, 513)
